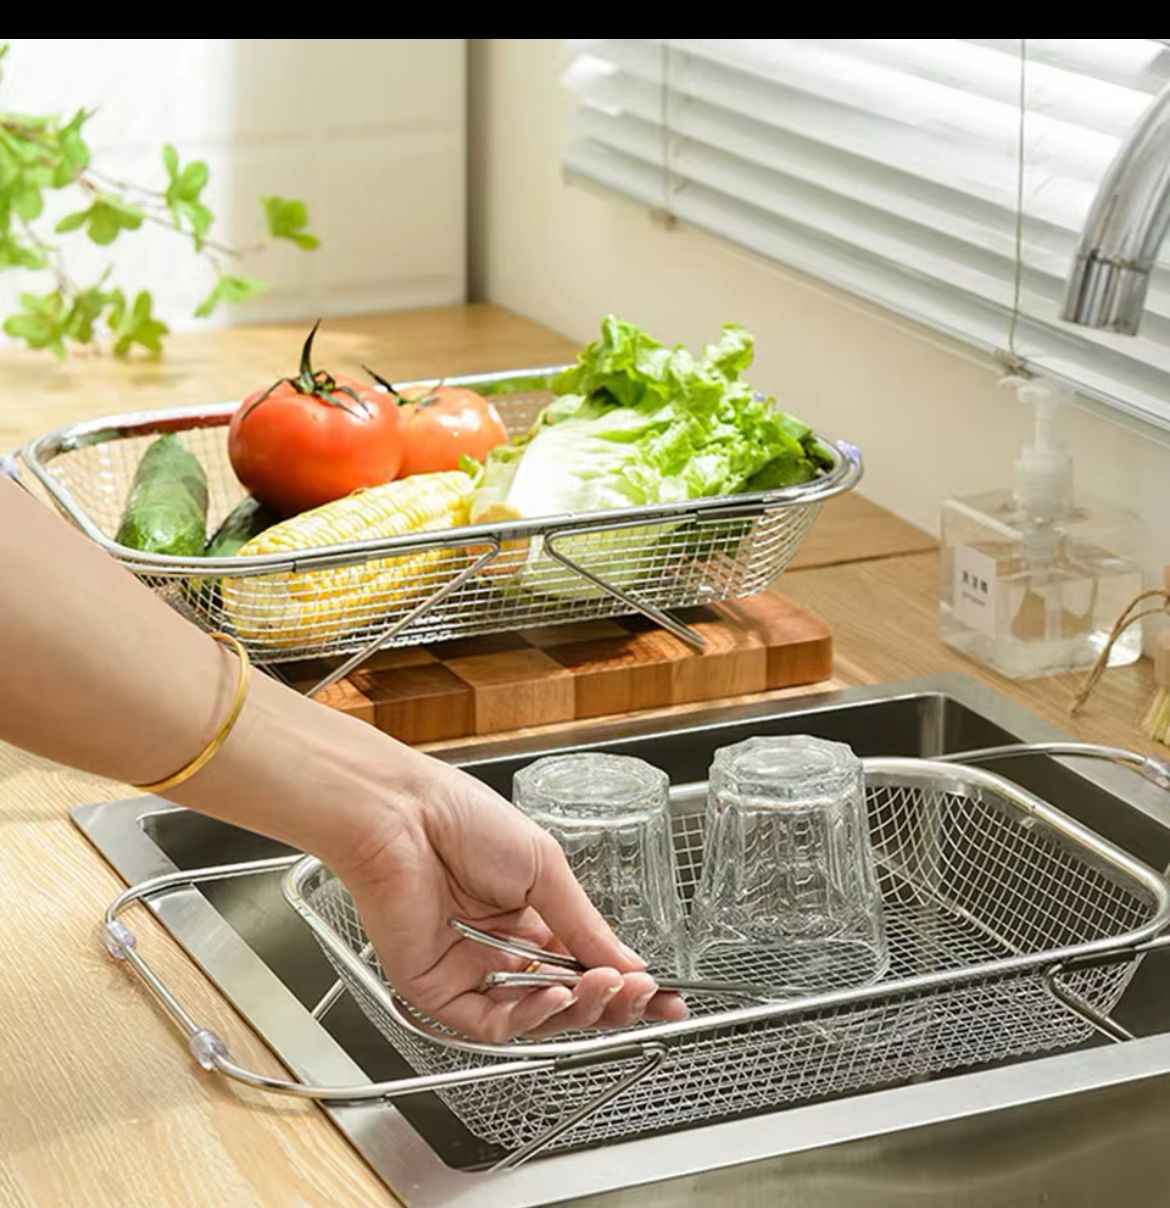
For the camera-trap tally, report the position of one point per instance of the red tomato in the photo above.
(314, 438)
(444, 423)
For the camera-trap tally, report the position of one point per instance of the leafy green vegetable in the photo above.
(639, 423)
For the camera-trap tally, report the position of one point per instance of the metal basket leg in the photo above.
(653, 1055)
(1105, 1024)
(655, 614)
(396, 626)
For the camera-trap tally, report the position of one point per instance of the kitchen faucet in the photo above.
(1125, 228)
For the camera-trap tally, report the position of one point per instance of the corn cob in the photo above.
(312, 608)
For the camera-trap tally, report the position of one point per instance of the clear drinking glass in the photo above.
(788, 892)
(610, 815)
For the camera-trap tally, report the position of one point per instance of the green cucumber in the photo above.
(166, 512)
(248, 519)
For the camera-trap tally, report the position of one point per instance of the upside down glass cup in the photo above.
(610, 815)
(788, 893)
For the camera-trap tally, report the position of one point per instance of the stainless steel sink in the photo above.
(1080, 1127)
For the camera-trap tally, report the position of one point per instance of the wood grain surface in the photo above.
(562, 673)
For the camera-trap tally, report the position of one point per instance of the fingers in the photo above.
(497, 1020)
(572, 917)
(667, 1007)
(608, 999)
(602, 998)
(594, 992)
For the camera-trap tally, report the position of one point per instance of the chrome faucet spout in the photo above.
(1125, 228)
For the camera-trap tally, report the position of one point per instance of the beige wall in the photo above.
(929, 415)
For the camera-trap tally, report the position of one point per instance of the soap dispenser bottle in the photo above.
(1033, 578)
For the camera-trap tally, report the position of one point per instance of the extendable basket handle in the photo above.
(210, 1051)
(1149, 767)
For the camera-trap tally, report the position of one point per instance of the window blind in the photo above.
(907, 171)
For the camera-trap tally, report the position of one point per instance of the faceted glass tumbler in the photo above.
(610, 815)
(788, 893)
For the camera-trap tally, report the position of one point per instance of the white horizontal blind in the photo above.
(892, 168)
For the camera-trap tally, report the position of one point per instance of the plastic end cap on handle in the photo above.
(206, 1047)
(1156, 771)
(118, 939)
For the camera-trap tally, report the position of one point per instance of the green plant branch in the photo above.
(52, 255)
(43, 154)
(155, 211)
(125, 186)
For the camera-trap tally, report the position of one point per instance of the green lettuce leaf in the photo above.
(639, 423)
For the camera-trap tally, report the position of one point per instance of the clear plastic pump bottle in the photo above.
(1033, 578)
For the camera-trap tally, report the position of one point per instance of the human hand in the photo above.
(453, 848)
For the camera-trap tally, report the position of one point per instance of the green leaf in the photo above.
(9, 166)
(194, 176)
(184, 188)
(286, 219)
(229, 290)
(103, 225)
(135, 324)
(14, 254)
(72, 222)
(105, 219)
(117, 301)
(74, 150)
(87, 307)
(27, 201)
(40, 322)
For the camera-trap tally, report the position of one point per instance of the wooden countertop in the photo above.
(102, 1103)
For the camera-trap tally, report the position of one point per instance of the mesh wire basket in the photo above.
(432, 586)
(986, 891)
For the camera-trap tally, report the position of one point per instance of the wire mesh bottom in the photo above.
(676, 563)
(968, 877)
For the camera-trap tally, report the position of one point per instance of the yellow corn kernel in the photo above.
(312, 608)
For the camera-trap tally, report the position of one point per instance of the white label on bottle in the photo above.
(974, 588)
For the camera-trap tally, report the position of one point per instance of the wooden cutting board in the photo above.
(483, 685)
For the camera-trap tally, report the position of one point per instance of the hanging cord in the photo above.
(1128, 617)
(1015, 364)
(665, 213)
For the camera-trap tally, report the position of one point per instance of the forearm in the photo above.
(103, 675)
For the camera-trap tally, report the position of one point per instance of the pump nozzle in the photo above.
(1044, 477)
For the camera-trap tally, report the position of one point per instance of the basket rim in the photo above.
(40, 452)
(955, 774)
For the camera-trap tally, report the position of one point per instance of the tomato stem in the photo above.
(427, 400)
(383, 383)
(318, 383)
(307, 374)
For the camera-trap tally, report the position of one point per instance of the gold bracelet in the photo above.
(233, 714)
